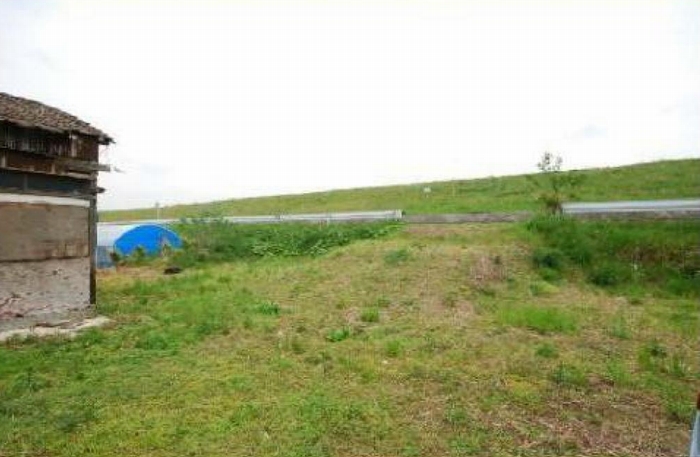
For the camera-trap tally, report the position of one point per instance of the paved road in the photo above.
(633, 206)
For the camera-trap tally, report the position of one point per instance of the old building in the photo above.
(49, 162)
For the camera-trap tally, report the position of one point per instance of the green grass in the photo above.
(656, 180)
(540, 319)
(272, 356)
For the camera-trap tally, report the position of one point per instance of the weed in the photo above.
(450, 299)
(549, 274)
(618, 374)
(154, 341)
(550, 258)
(540, 319)
(268, 308)
(337, 335)
(678, 367)
(457, 416)
(29, 381)
(619, 328)
(382, 302)
(394, 348)
(547, 350)
(542, 288)
(656, 349)
(609, 274)
(370, 315)
(69, 421)
(397, 256)
(469, 444)
(241, 383)
(679, 410)
(569, 375)
(297, 345)
(485, 290)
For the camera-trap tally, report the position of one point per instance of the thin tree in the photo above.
(555, 186)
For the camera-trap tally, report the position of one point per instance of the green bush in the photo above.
(220, 241)
(609, 274)
(544, 257)
(662, 254)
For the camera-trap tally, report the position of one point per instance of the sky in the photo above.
(227, 99)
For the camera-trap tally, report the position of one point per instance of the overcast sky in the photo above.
(228, 99)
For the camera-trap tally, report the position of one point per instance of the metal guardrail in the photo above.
(649, 209)
(632, 206)
(328, 218)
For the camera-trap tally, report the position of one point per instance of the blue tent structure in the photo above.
(126, 239)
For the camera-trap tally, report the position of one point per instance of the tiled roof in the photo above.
(30, 113)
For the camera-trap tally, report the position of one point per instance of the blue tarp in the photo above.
(125, 239)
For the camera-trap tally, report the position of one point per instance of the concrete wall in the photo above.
(44, 255)
(38, 231)
(43, 287)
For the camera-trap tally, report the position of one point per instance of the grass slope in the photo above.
(435, 340)
(657, 180)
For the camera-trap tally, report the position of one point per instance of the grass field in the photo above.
(423, 340)
(658, 180)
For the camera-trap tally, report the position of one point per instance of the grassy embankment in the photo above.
(657, 180)
(529, 339)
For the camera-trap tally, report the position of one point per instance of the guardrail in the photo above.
(632, 206)
(650, 209)
(328, 218)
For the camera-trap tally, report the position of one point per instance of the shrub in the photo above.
(609, 274)
(548, 258)
(550, 275)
